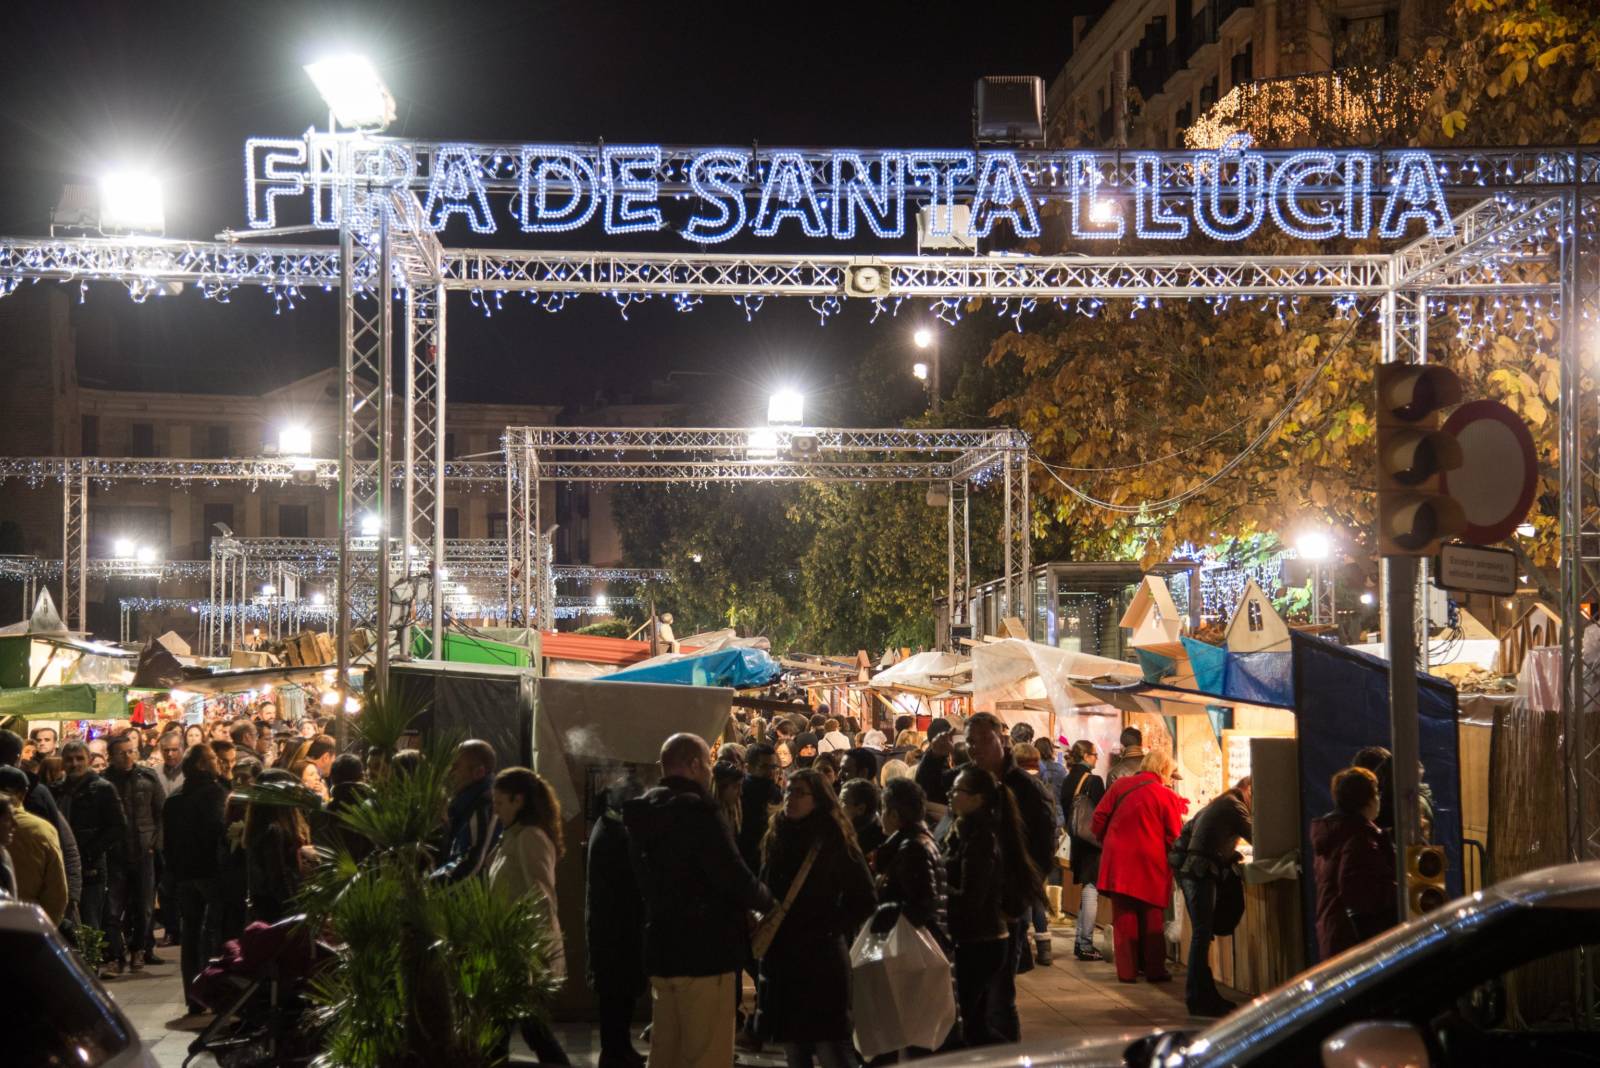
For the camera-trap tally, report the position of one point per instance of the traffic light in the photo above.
(1425, 868)
(1414, 512)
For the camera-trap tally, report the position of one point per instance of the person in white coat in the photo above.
(525, 859)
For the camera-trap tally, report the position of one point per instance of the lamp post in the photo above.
(927, 339)
(1315, 546)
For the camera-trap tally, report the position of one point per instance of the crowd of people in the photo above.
(133, 832)
(807, 824)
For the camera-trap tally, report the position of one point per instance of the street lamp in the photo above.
(370, 525)
(1316, 546)
(131, 202)
(919, 371)
(355, 95)
(927, 339)
(123, 548)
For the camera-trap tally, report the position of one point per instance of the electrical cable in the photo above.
(1277, 420)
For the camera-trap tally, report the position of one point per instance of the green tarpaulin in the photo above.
(469, 649)
(81, 701)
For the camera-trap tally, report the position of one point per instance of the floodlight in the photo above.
(130, 202)
(294, 441)
(923, 337)
(1313, 545)
(352, 705)
(1525, 530)
(123, 548)
(330, 697)
(268, 590)
(1368, 598)
(601, 601)
(761, 443)
(319, 598)
(786, 406)
(370, 525)
(920, 370)
(354, 93)
(145, 554)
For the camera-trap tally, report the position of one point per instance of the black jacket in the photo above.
(1215, 835)
(94, 812)
(756, 798)
(931, 777)
(1038, 821)
(193, 827)
(974, 873)
(613, 914)
(1085, 854)
(696, 889)
(272, 874)
(142, 797)
(805, 975)
(911, 875)
(869, 835)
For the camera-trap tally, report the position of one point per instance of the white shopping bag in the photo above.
(901, 990)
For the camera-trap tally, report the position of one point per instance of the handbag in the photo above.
(1113, 814)
(761, 938)
(1080, 816)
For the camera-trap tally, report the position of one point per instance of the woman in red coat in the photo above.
(1137, 819)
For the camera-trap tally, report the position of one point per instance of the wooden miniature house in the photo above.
(1153, 616)
(1256, 626)
(1539, 625)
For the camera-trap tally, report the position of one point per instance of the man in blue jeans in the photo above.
(1212, 840)
(1085, 859)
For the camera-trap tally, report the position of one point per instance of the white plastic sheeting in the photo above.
(1016, 670)
(922, 671)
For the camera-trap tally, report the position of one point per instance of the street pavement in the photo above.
(1065, 1002)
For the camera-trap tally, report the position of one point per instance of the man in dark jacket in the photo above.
(193, 827)
(935, 763)
(94, 811)
(613, 922)
(1212, 839)
(1129, 760)
(131, 872)
(1081, 779)
(42, 803)
(757, 798)
(986, 741)
(697, 892)
(473, 828)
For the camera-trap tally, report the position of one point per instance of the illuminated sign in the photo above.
(709, 195)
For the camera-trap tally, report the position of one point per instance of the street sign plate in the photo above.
(1474, 569)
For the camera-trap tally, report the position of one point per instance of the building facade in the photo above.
(1141, 72)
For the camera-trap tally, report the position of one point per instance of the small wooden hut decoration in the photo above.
(1256, 626)
(1153, 616)
(1538, 625)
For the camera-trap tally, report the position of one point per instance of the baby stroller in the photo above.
(256, 988)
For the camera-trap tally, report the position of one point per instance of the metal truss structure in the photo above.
(942, 458)
(1525, 224)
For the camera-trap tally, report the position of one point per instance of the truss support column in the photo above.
(1025, 541)
(365, 322)
(1007, 591)
(966, 555)
(950, 567)
(75, 546)
(423, 449)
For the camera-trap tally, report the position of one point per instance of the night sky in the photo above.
(182, 85)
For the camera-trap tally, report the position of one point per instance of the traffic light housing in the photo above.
(1426, 866)
(1414, 512)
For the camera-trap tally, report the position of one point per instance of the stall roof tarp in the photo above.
(1014, 669)
(736, 668)
(1342, 706)
(80, 701)
(919, 671)
(472, 649)
(592, 648)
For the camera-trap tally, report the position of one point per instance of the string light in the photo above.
(1003, 194)
(630, 196)
(716, 177)
(883, 204)
(456, 187)
(788, 193)
(1250, 179)
(574, 173)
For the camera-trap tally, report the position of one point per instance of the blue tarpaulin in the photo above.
(1342, 705)
(736, 668)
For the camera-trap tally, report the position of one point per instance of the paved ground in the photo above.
(1067, 1001)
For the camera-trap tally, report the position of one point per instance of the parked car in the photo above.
(1430, 992)
(56, 1011)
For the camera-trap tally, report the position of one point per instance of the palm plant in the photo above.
(425, 973)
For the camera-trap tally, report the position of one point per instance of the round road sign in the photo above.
(1499, 470)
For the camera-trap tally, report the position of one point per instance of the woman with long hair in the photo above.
(991, 882)
(193, 735)
(803, 998)
(1136, 821)
(525, 861)
(274, 836)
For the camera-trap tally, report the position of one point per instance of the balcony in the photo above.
(1202, 32)
(1233, 15)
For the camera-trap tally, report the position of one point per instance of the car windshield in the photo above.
(54, 1015)
(1468, 942)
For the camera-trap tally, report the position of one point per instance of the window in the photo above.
(293, 522)
(217, 444)
(1241, 68)
(143, 440)
(1252, 612)
(1208, 93)
(452, 522)
(214, 514)
(59, 1018)
(91, 436)
(497, 524)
